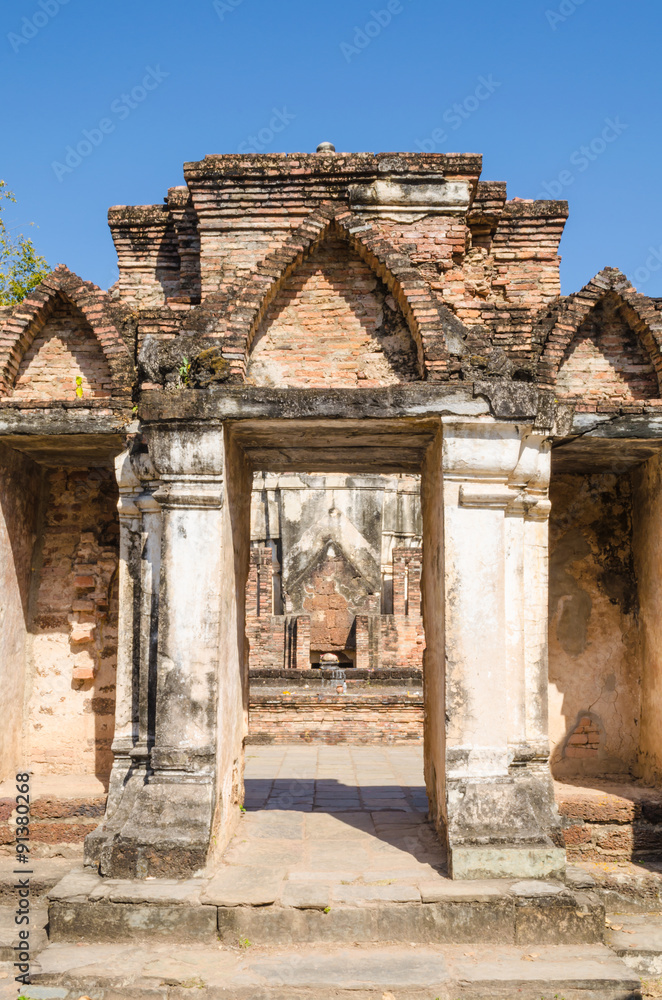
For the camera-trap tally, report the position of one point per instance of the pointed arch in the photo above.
(411, 293)
(32, 314)
(638, 310)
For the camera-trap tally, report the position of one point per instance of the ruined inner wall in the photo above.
(73, 647)
(594, 652)
(324, 553)
(20, 492)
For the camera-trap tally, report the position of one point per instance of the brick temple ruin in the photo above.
(336, 439)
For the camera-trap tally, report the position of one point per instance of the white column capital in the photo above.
(190, 492)
(498, 466)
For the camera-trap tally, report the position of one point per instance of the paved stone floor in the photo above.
(341, 814)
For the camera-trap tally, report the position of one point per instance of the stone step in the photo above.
(404, 972)
(637, 939)
(44, 873)
(9, 931)
(625, 886)
(238, 904)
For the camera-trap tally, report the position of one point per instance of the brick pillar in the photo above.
(139, 557)
(265, 573)
(302, 656)
(362, 643)
(259, 593)
(251, 587)
(407, 566)
(399, 581)
(414, 573)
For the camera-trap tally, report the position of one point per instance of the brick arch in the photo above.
(411, 292)
(643, 318)
(31, 315)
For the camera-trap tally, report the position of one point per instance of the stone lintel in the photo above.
(410, 197)
(234, 403)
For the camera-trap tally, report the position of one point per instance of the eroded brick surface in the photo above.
(333, 324)
(74, 641)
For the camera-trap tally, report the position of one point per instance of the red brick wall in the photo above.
(279, 641)
(266, 640)
(333, 718)
(65, 350)
(397, 640)
(333, 324)
(389, 642)
(606, 361)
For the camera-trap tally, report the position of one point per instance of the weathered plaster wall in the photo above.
(647, 524)
(433, 593)
(233, 692)
(20, 490)
(594, 653)
(65, 350)
(333, 324)
(73, 647)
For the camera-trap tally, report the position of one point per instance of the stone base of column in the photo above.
(160, 830)
(504, 827)
(508, 861)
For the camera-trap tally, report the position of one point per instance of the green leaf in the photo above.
(21, 267)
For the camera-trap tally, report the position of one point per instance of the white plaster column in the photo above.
(189, 627)
(188, 720)
(499, 805)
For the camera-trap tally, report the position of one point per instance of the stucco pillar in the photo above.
(499, 804)
(188, 695)
(128, 651)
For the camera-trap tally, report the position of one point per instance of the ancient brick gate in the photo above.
(388, 314)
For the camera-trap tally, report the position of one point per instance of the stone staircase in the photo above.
(388, 940)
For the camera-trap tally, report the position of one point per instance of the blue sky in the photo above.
(557, 75)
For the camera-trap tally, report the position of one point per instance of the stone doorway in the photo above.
(320, 727)
(175, 797)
